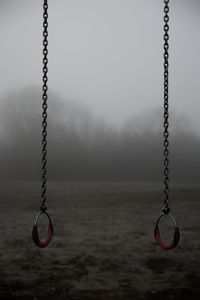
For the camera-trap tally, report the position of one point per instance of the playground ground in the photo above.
(103, 247)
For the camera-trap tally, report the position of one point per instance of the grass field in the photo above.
(103, 247)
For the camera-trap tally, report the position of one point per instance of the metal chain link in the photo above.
(166, 208)
(43, 207)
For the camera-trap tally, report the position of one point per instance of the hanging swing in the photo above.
(43, 208)
(166, 209)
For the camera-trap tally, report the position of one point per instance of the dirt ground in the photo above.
(103, 246)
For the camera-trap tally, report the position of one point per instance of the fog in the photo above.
(105, 54)
(106, 89)
(82, 147)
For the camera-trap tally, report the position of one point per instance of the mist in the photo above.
(82, 147)
(107, 55)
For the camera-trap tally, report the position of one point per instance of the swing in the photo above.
(166, 209)
(43, 208)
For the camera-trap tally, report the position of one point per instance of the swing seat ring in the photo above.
(35, 235)
(176, 236)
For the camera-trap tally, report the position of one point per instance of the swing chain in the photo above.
(166, 208)
(43, 207)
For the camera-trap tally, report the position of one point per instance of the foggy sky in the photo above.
(106, 54)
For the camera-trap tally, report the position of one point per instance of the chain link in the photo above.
(43, 207)
(166, 208)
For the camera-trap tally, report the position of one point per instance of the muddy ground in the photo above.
(103, 247)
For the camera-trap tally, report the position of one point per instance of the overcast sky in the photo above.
(105, 53)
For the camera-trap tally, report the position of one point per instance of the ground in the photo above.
(103, 246)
